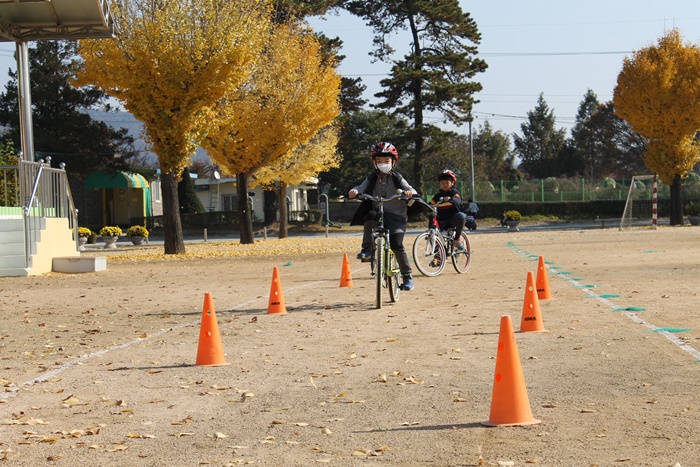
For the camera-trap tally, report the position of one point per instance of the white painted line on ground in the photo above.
(12, 390)
(634, 317)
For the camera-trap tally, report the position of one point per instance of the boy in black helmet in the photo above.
(384, 182)
(448, 203)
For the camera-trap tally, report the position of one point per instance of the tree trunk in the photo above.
(284, 210)
(244, 215)
(676, 217)
(173, 241)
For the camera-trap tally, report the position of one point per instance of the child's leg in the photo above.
(400, 252)
(457, 222)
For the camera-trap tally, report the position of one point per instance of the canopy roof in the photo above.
(33, 20)
(115, 180)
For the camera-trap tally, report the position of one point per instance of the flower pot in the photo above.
(694, 220)
(513, 225)
(110, 242)
(82, 241)
(137, 239)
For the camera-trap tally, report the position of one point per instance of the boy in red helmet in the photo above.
(448, 203)
(384, 182)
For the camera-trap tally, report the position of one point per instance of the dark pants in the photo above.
(456, 221)
(395, 238)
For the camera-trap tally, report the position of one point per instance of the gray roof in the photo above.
(35, 20)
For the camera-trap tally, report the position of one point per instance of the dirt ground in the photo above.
(99, 368)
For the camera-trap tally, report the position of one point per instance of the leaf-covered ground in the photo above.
(99, 369)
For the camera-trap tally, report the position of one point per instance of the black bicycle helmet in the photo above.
(385, 149)
(447, 175)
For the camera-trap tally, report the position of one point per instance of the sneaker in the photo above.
(407, 282)
(459, 244)
(365, 255)
(435, 262)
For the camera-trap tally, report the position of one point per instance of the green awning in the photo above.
(115, 180)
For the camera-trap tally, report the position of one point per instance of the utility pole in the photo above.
(471, 157)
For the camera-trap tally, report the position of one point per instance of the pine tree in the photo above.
(189, 201)
(541, 142)
(62, 127)
(434, 76)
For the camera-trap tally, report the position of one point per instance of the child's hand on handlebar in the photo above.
(352, 194)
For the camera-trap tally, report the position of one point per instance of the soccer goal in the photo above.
(641, 207)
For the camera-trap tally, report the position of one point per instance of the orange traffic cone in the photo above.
(345, 276)
(531, 320)
(276, 303)
(210, 351)
(543, 292)
(509, 403)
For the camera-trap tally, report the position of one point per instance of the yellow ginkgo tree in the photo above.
(291, 93)
(298, 166)
(657, 93)
(171, 63)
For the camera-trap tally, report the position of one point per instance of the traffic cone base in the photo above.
(510, 405)
(345, 276)
(210, 352)
(542, 283)
(276, 303)
(531, 320)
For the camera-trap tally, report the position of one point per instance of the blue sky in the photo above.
(558, 48)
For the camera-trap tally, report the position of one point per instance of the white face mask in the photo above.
(384, 168)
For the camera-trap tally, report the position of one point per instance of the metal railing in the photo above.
(47, 194)
(553, 190)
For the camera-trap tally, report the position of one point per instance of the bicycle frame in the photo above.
(432, 248)
(384, 265)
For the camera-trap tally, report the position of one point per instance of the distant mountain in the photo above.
(134, 127)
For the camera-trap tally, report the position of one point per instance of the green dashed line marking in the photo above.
(609, 295)
(629, 308)
(556, 267)
(676, 330)
(564, 273)
(585, 286)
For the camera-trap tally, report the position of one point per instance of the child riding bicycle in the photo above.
(384, 182)
(448, 203)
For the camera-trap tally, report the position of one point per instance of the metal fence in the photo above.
(556, 190)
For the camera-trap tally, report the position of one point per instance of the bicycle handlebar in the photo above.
(362, 196)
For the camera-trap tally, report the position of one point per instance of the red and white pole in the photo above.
(654, 205)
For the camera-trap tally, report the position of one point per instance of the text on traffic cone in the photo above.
(543, 292)
(345, 276)
(276, 302)
(210, 351)
(531, 320)
(509, 402)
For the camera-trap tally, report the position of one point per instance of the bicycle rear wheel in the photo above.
(392, 277)
(379, 271)
(429, 254)
(462, 259)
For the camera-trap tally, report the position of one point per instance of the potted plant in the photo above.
(83, 234)
(513, 218)
(137, 234)
(110, 234)
(692, 210)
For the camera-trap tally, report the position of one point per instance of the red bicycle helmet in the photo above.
(447, 175)
(385, 149)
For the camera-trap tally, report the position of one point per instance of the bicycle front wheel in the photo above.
(379, 271)
(462, 259)
(392, 276)
(429, 254)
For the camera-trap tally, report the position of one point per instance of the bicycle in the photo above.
(432, 247)
(384, 266)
